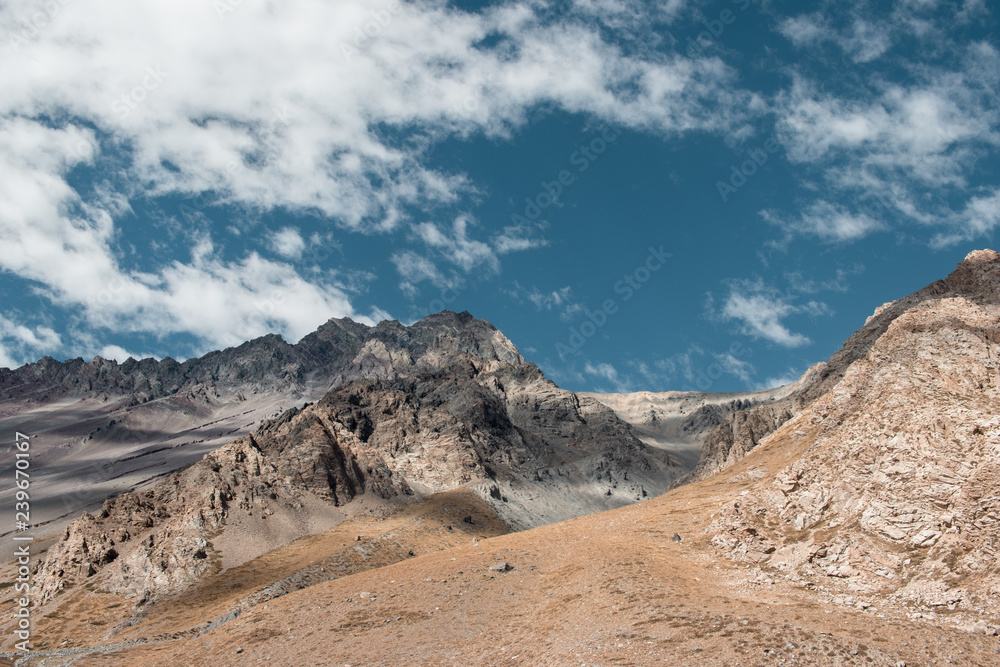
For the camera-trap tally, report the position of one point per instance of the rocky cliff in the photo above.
(742, 430)
(891, 479)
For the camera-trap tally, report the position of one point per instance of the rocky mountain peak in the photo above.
(400, 412)
(339, 350)
(977, 277)
(975, 280)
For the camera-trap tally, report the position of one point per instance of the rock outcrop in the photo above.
(895, 484)
(743, 430)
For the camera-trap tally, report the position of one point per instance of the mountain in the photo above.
(894, 488)
(101, 429)
(444, 404)
(849, 518)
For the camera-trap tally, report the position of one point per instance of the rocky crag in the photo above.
(742, 430)
(892, 483)
(446, 403)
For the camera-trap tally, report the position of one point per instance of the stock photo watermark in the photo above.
(627, 287)
(223, 7)
(130, 101)
(22, 540)
(364, 34)
(33, 24)
(581, 158)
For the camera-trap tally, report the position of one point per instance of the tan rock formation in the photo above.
(898, 485)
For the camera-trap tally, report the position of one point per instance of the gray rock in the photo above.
(398, 393)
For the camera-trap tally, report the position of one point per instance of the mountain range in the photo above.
(859, 503)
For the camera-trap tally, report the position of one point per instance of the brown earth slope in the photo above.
(605, 589)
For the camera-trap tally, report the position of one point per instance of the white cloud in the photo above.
(120, 354)
(560, 300)
(694, 369)
(761, 311)
(828, 221)
(762, 317)
(20, 343)
(553, 299)
(804, 30)
(863, 41)
(839, 283)
(292, 113)
(457, 247)
(50, 238)
(914, 130)
(284, 118)
(980, 217)
(415, 269)
(735, 366)
(886, 153)
(516, 238)
(288, 243)
(7, 360)
(608, 373)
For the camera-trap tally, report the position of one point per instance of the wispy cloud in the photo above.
(761, 311)
(887, 151)
(516, 238)
(862, 40)
(455, 246)
(827, 221)
(606, 373)
(559, 300)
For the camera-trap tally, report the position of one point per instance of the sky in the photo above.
(702, 194)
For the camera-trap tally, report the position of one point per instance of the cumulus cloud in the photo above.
(20, 343)
(294, 121)
(307, 106)
(288, 243)
(51, 238)
(120, 354)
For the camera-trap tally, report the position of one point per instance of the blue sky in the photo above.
(642, 196)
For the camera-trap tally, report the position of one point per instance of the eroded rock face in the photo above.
(739, 433)
(440, 405)
(899, 486)
(742, 431)
(339, 351)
